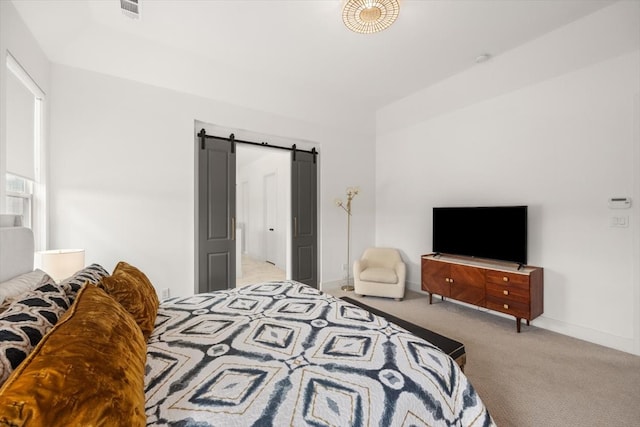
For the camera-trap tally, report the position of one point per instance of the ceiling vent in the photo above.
(131, 8)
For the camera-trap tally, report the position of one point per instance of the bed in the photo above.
(276, 353)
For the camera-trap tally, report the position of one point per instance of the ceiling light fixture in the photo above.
(369, 16)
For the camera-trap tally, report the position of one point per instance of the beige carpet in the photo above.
(254, 271)
(535, 378)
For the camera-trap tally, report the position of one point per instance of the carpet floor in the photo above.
(535, 378)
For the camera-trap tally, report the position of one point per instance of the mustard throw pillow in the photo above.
(131, 288)
(87, 371)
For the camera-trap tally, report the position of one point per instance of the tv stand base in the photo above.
(499, 287)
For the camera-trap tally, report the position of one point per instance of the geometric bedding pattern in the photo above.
(283, 353)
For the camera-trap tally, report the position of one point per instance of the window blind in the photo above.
(20, 128)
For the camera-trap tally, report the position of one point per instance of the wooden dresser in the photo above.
(496, 286)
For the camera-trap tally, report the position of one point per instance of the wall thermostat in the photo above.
(619, 202)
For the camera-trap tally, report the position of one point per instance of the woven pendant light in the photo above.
(369, 16)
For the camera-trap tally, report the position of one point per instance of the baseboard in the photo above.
(587, 334)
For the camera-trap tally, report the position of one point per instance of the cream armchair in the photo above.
(380, 272)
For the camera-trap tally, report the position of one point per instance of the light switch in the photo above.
(621, 221)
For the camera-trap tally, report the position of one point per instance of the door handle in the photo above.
(295, 226)
(233, 228)
(271, 229)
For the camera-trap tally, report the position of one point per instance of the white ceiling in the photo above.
(297, 49)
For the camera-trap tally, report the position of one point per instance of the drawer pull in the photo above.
(506, 306)
(505, 279)
(446, 279)
(505, 292)
(451, 280)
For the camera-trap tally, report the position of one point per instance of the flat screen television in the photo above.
(493, 232)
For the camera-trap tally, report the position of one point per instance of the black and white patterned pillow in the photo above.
(26, 321)
(91, 274)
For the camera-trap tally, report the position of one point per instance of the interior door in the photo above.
(304, 253)
(270, 218)
(216, 214)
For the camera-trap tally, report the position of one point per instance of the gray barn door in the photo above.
(216, 215)
(304, 214)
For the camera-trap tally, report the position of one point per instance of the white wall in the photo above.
(561, 143)
(16, 39)
(275, 162)
(122, 173)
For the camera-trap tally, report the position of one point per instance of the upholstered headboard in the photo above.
(16, 247)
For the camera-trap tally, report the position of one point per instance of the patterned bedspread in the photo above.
(285, 354)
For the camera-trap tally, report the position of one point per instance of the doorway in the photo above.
(264, 202)
(218, 230)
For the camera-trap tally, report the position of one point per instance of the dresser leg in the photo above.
(430, 295)
(518, 324)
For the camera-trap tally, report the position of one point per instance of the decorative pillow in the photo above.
(21, 284)
(88, 371)
(26, 321)
(131, 288)
(91, 274)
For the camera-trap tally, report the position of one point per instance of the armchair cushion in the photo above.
(379, 274)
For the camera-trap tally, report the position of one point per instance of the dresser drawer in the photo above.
(517, 309)
(508, 279)
(508, 293)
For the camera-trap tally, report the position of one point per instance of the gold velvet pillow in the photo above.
(131, 288)
(87, 371)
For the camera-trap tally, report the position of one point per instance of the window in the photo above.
(20, 198)
(24, 185)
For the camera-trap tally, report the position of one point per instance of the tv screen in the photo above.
(494, 232)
